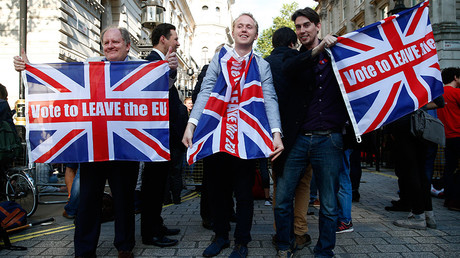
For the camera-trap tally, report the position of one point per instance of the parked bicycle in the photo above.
(18, 186)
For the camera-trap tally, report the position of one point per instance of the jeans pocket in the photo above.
(337, 140)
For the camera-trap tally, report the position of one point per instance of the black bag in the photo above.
(425, 126)
(10, 144)
(12, 215)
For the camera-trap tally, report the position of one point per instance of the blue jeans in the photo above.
(313, 189)
(72, 205)
(325, 154)
(344, 196)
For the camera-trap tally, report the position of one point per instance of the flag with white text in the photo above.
(388, 69)
(234, 119)
(97, 111)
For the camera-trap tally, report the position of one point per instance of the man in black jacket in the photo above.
(284, 40)
(154, 178)
(312, 130)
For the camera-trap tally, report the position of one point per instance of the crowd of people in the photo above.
(308, 126)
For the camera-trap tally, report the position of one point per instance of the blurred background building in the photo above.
(342, 16)
(69, 31)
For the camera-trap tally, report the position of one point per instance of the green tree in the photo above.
(264, 43)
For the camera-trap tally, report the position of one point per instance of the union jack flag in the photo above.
(249, 137)
(97, 111)
(388, 69)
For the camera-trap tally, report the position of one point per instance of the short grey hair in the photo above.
(123, 31)
(250, 16)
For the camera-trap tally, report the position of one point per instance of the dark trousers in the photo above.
(174, 179)
(355, 169)
(228, 174)
(410, 163)
(122, 177)
(205, 206)
(154, 179)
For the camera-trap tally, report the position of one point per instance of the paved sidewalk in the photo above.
(374, 235)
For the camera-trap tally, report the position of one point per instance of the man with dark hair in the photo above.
(450, 117)
(312, 127)
(3, 92)
(155, 175)
(284, 37)
(5, 115)
(162, 30)
(283, 40)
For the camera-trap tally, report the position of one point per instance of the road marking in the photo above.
(45, 232)
(50, 231)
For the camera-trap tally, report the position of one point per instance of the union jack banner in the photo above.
(388, 69)
(234, 118)
(97, 111)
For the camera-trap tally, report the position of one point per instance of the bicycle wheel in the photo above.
(21, 190)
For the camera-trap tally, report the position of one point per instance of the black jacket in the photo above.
(294, 81)
(178, 114)
(197, 88)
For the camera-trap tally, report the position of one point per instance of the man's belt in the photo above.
(325, 132)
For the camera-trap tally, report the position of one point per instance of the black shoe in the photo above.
(239, 251)
(398, 206)
(207, 224)
(171, 231)
(398, 203)
(216, 247)
(160, 241)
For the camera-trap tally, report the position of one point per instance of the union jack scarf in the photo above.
(234, 118)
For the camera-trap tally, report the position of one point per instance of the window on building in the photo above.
(344, 6)
(414, 2)
(383, 12)
(204, 53)
(204, 8)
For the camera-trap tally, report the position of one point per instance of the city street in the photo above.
(374, 233)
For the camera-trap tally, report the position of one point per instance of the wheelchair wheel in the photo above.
(20, 189)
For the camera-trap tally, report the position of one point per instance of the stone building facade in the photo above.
(69, 31)
(343, 16)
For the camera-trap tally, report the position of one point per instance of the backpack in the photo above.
(12, 215)
(10, 144)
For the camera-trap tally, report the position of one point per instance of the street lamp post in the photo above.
(20, 103)
(152, 13)
(399, 6)
(22, 38)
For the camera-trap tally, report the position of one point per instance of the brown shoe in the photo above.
(302, 241)
(125, 254)
(67, 216)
